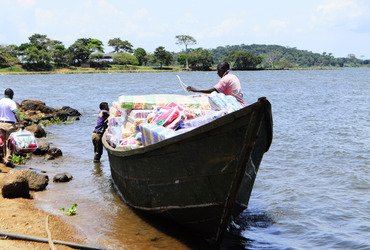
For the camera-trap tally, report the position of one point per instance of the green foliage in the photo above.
(80, 51)
(162, 56)
(44, 54)
(292, 57)
(71, 211)
(123, 58)
(120, 46)
(37, 53)
(20, 159)
(203, 57)
(141, 56)
(21, 115)
(186, 40)
(96, 57)
(95, 45)
(59, 55)
(8, 56)
(242, 60)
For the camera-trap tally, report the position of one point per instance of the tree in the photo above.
(186, 40)
(95, 45)
(162, 56)
(205, 57)
(182, 60)
(140, 54)
(120, 46)
(244, 60)
(60, 55)
(192, 60)
(81, 50)
(8, 56)
(125, 59)
(37, 53)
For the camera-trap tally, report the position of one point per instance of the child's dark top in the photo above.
(101, 123)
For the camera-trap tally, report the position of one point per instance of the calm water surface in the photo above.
(312, 189)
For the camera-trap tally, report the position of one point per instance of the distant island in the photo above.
(86, 55)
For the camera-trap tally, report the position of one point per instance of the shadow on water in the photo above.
(185, 236)
(246, 221)
(233, 239)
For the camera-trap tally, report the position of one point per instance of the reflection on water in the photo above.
(247, 221)
(312, 189)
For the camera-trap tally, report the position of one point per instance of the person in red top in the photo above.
(229, 84)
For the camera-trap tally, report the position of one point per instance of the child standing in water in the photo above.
(101, 125)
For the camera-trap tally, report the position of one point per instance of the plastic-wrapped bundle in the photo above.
(151, 101)
(167, 114)
(22, 142)
(203, 101)
(220, 101)
(116, 121)
(140, 113)
(202, 120)
(152, 133)
(116, 111)
(130, 142)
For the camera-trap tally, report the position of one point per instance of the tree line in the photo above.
(43, 54)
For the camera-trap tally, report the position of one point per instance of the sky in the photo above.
(340, 27)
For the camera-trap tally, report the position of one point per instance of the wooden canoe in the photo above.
(199, 179)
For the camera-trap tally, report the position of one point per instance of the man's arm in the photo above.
(18, 119)
(206, 91)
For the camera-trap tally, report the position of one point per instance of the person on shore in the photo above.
(101, 125)
(229, 84)
(8, 119)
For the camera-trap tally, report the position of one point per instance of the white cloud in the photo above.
(225, 27)
(26, 3)
(44, 18)
(188, 18)
(141, 14)
(277, 24)
(348, 14)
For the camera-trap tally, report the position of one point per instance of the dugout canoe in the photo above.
(199, 179)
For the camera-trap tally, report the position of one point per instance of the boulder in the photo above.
(62, 177)
(53, 153)
(37, 130)
(31, 105)
(36, 181)
(36, 111)
(42, 148)
(71, 111)
(15, 186)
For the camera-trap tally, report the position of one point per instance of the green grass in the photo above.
(20, 159)
(112, 69)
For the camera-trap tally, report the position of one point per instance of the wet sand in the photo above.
(20, 216)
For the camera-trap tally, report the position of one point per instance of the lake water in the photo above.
(313, 187)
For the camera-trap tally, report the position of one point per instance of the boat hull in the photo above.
(201, 178)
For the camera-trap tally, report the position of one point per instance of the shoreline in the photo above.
(21, 216)
(98, 71)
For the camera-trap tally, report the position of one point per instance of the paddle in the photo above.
(183, 85)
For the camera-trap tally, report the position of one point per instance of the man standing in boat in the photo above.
(229, 84)
(99, 129)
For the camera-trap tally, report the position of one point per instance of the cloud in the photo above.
(341, 14)
(44, 17)
(188, 18)
(26, 3)
(225, 27)
(277, 25)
